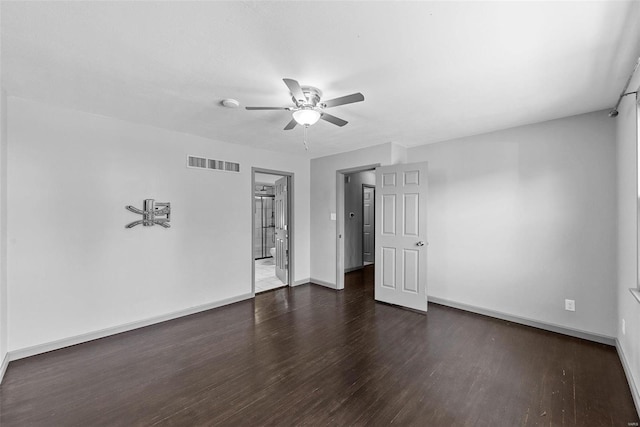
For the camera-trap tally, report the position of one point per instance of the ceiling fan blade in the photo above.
(291, 125)
(333, 119)
(348, 99)
(296, 90)
(266, 108)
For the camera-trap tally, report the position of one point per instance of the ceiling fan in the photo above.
(309, 108)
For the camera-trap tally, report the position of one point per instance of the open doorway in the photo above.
(368, 224)
(356, 225)
(271, 222)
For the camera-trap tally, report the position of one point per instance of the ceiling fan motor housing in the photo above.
(313, 95)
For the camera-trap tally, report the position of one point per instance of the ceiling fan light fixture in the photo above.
(306, 116)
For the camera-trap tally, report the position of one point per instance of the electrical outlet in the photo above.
(570, 305)
(624, 332)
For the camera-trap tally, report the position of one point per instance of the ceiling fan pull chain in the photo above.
(306, 147)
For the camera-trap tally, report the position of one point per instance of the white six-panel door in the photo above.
(282, 230)
(401, 235)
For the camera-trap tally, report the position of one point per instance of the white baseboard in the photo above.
(635, 393)
(90, 336)
(602, 339)
(301, 282)
(323, 283)
(3, 366)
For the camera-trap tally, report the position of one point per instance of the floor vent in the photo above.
(204, 163)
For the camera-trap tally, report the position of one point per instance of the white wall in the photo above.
(3, 229)
(75, 269)
(353, 226)
(523, 218)
(628, 307)
(264, 178)
(323, 203)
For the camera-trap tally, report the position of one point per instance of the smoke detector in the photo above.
(230, 103)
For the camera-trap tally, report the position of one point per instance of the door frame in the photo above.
(374, 220)
(340, 174)
(290, 218)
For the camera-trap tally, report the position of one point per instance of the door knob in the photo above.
(420, 243)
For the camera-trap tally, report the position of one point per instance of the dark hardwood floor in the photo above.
(310, 355)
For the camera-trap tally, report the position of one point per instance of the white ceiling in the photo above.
(429, 71)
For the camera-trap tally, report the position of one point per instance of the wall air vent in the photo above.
(197, 162)
(232, 167)
(216, 164)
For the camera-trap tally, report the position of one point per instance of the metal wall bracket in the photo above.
(150, 213)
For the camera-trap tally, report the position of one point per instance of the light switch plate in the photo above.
(333, 216)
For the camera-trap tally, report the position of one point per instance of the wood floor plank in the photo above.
(313, 356)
